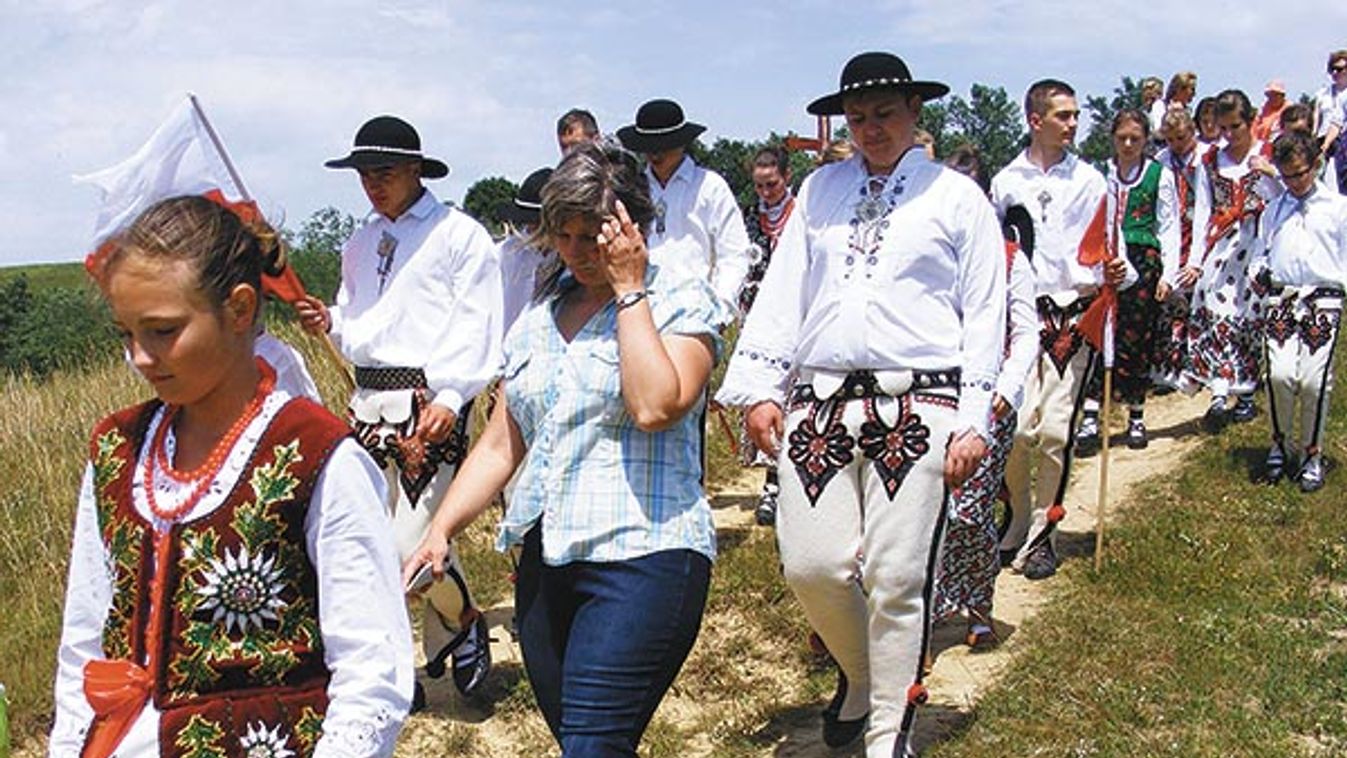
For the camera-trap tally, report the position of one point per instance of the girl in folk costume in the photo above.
(1140, 205)
(970, 557)
(764, 221)
(1180, 159)
(1224, 338)
(233, 587)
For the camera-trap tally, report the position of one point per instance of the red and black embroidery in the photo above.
(1316, 330)
(895, 448)
(1280, 322)
(417, 461)
(1057, 331)
(819, 453)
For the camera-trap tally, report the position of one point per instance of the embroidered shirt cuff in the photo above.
(752, 377)
(975, 406)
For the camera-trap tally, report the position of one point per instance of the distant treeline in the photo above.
(55, 318)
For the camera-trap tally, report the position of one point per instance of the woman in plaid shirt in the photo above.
(604, 382)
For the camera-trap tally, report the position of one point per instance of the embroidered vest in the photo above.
(238, 660)
(1139, 223)
(1232, 200)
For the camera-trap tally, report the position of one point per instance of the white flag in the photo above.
(180, 158)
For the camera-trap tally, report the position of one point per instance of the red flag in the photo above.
(285, 286)
(1095, 249)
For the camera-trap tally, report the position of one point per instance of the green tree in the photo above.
(325, 231)
(1097, 147)
(483, 196)
(731, 159)
(992, 122)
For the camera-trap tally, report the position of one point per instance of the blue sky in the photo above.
(287, 83)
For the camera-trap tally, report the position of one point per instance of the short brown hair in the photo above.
(1041, 91)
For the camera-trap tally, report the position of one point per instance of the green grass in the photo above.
(1217, 626)
(47, 275)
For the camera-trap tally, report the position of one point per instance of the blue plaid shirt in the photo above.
(604, 489)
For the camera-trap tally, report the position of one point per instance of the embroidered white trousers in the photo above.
(1301, 336)
(860, 519)
(1040, 460)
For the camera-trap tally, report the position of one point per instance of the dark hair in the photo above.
(1041, 91)
(578, 117)
(1133, 115)
(967, 160)
(588, 183)
(1335, 57)
(1235, 101)
(772, 156)
(1295, 144)
(224, 251)
(1295, 112)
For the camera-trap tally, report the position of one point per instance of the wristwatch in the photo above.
(628, 300)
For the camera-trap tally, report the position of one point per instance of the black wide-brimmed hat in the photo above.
(385, 141)
(659, 126)
(872, 71)
(527, 205)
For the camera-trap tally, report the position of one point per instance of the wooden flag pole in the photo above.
(1102, 505)
(329, 348)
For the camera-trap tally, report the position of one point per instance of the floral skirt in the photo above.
(969, 559)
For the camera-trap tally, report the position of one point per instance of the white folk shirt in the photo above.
(439, 308)
(1023, 325)
(932, 296)
(697, 204)
(519, 267)
(1306, 239)
(366, 636)
(1190, 164)
(1062, 201)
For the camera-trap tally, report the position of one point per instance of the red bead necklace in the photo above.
(773, 228)
(202, 475)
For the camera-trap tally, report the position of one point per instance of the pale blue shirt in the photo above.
(603, 489)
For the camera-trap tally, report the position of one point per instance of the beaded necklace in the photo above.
(156, 457)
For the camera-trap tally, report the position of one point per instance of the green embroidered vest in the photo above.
(1139, 223)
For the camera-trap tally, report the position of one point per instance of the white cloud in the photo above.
(287, 83)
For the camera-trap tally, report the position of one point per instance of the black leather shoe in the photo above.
(1007, 557)
(838, 732)
(472, 658)
(1041, 563)
(1216, 418)
(418, 698)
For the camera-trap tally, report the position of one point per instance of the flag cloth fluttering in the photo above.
(182, 157)
(1099, 246)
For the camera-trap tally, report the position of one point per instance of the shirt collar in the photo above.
(1065, 166)
(683, 172)
(419, 210)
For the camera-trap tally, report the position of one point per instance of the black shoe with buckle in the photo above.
(1216, 417)
(472, 657)
(1041, 563)
(1245, 411)
(1136, 434)
(838, 732)
(765, 513)
(1274, 468)
(1087, 437)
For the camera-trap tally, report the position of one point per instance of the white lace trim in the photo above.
(169, 492)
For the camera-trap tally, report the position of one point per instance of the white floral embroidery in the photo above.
(261, 743)
(242, 589)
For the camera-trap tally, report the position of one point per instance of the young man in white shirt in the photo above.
(691, 203)
(1304, 260)
(1062, 194)
(419, 314)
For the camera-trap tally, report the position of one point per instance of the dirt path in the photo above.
(511, 726)
(959, 678)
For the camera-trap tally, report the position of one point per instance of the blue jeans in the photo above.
(602, 642)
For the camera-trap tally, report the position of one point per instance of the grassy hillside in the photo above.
(47, 275)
